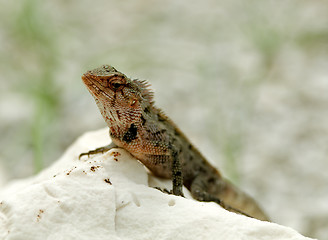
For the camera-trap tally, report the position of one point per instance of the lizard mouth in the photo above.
(87, 78)
(94, 85)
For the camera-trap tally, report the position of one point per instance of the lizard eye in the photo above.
(116, 85)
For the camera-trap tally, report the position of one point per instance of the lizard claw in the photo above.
(99, 150)
(83, 154)
(165, 190)
(96, 151)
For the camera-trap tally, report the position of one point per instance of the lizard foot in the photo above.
(164, 190)
(98, 150)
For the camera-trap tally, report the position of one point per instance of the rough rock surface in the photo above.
(109, 197)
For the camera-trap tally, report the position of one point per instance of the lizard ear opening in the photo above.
(133, 102)
(144, 86)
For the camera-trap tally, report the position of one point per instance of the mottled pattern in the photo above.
(139, 127)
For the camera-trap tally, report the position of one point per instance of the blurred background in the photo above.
(247, 81)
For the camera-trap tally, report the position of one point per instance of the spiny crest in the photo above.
(144, 88)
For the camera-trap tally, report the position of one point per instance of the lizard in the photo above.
(138, 126)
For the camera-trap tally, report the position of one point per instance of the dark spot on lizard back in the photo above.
(143, 120)
(161, 118)
(176, 132)
(160, 132)
(147, 110)
(212, 180)
(131, 134)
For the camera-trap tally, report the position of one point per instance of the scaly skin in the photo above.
(136, 125)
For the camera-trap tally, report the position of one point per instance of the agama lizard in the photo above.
(136, 125)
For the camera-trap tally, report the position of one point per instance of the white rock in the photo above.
(109, 197)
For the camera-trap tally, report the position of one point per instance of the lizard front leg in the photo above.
(163, 163)
(99, 150)
(177, 178)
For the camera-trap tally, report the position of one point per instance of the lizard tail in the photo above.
(235, 198)
(228, 196)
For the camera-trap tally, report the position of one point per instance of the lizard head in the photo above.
(121, 100)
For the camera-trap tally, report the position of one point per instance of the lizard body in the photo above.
(136, 125)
